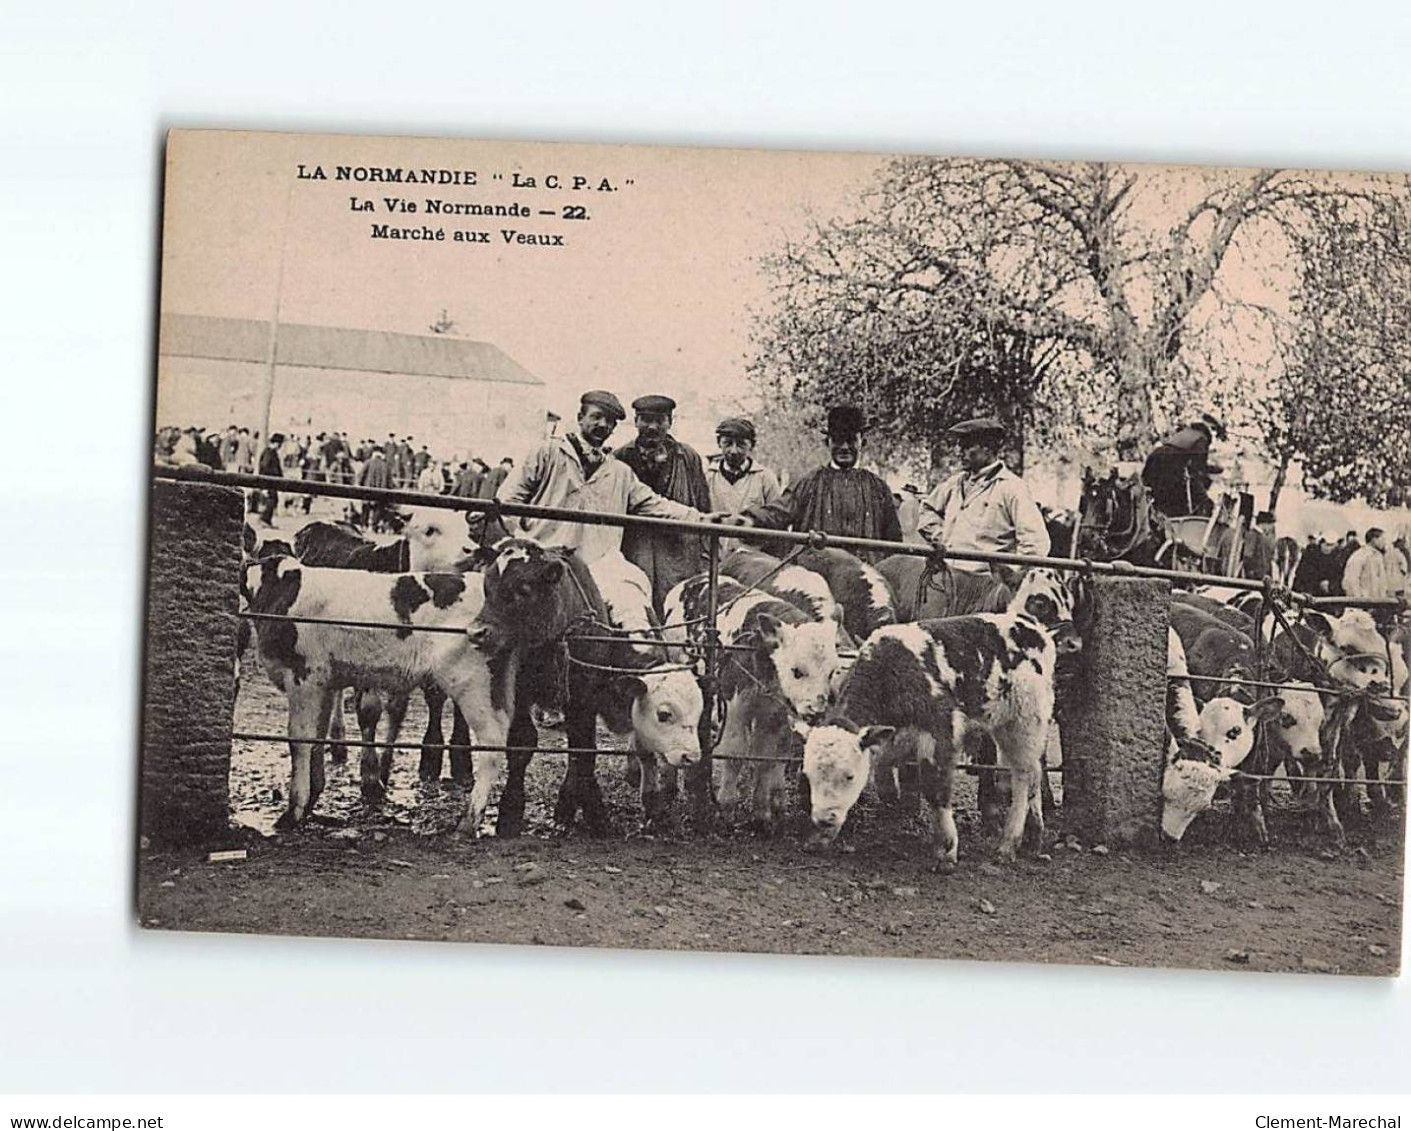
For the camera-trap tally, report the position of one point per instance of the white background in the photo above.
(89, 1003)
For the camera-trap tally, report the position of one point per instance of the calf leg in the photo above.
(650, 782)
(522, 733)
(396, 715)
(579, 791)
(992, 788)
(370, 765)
(491, 723)
(1020, 748)
(308, 722)
(935, 766)
(460, 740)
(338, 749)
(433, 741)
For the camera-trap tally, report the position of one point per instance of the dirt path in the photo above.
(1212, 908)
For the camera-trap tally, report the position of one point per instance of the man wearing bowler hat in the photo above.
(735, 480)
(576, 473)
(983, 507)
(674, 471)
(838, 498)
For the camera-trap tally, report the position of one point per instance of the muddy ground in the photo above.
(397, 872)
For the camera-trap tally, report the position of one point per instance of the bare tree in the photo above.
(1113, 284)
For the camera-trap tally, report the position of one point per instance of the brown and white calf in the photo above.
(922, 686)
(787, 676)
(652, 700)
(1206, 744)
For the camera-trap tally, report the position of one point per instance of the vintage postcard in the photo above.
(737, 550)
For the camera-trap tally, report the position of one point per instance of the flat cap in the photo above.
(654, 402)
(978, 426)
(742, 428)
(845, 420)
(604, 400)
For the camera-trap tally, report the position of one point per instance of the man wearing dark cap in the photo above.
(674, 471)
(1178, 472)
(983, 507)
(839, 498)
(736, 482)
(575, 472)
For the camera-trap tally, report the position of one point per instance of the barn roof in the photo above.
(332, 347)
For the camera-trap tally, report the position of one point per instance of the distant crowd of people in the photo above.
(330, 457)
(1375, 568)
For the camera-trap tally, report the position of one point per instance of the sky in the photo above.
(649, 294)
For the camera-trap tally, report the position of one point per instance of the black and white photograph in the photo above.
(771, 551)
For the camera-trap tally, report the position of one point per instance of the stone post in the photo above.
(193, 587)
(1114, 715)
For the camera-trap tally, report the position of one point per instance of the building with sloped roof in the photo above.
(458, 397)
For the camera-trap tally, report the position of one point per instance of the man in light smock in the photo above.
(575, 473)
(983, 507)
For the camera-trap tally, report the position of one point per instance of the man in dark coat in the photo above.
(674, 471)
(1178, 473)
(272, 465)
(493, 478)
(839, 498)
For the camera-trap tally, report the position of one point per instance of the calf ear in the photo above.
(630, 686)
(770, 631)
(874, 736)
(1265, 709)
(553, 571)
(1318, 622)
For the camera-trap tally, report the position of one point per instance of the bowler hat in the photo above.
(845, 420)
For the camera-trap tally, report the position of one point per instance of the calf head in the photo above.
(1224, 740)
(836, 762)
(1297, 731)
(435, 540)
(804, 659)
(1352, 650)
(666, 714)
(528, 590)
(1052, 600)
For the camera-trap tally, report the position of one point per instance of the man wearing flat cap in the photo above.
(838, 498)
(983, 507)
(736, 482)
(674, 471)
(574, 472)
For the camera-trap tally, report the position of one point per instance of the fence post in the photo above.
(193, 587)
(1114, 715)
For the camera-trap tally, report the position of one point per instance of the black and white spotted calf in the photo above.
(311, 663)
(920, 687)
(862, 594)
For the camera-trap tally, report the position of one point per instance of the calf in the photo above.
(1213, 649)
(656, 703)
(310, 663)
(576, 668)
(1200, 762)
(926, 685)
(793, 583)
(860, 591)
(433, 541)
(788, 675)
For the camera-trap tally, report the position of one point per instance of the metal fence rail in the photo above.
(710, 644)
(201, 474)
